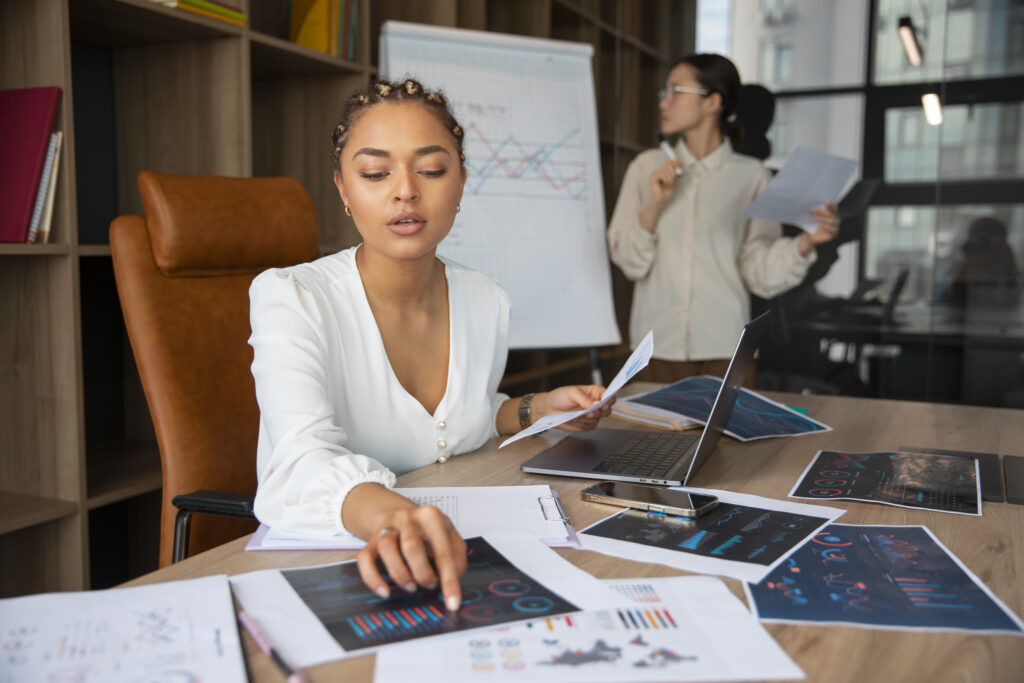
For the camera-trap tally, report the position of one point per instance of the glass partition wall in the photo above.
(944, 231)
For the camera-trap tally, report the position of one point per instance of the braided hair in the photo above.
(396, 92)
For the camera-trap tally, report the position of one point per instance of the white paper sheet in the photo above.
(744, 571)
(810, 178)
(474, 510)
(679, 629)
(636, 362)
(180, 630)
(304, 641)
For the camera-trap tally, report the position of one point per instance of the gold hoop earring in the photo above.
(458, 207)
(348, 211)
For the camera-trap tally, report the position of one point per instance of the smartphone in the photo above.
(653, 498)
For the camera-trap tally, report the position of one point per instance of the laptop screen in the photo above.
(750, 337)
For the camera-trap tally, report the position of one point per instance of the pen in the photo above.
(671, 154)
(293, 675)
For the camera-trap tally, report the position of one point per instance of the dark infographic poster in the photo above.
(753, 417)
(730, 532)
(879, 576)
(915, 480)
(494, 592)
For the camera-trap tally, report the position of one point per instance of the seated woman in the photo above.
(385, 357)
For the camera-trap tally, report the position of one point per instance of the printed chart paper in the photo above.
(885, 577)
(943, 483)
(745, 537)
(320, 614)
(753, 417)
(175, 631)
(678, 629)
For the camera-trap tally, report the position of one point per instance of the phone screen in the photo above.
(652, 495)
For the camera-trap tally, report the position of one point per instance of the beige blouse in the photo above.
(694, 272)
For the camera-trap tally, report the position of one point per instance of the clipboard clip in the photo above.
(559, 510)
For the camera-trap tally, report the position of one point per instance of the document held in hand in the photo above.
(810, 178)
(636, 362)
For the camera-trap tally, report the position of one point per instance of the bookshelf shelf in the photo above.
(274, 57)
(127, 23)
(19, 511)
(11, 249)
(121, 470)
(148, 87)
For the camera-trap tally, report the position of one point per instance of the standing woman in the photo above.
(679, 230)
(384, 357)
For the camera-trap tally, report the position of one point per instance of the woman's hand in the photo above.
(828, 228)
(663, 184)
(570, 398)
(405, 538)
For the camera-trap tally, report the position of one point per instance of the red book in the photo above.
(26, 121)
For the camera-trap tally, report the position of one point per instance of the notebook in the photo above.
(652, 457)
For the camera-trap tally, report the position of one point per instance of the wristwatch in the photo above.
(525, 413)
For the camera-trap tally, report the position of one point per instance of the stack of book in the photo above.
(213, 9)
(327, 26)
(29, 162)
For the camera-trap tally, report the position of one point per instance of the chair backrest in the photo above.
(183, 273)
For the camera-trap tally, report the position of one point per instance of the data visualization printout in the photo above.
(680, 629)
(944, 483)
(880, 577)
(320, 614)
(493, 592)
(753, 417)
(533, 206)
(178, 631)
(743, 537)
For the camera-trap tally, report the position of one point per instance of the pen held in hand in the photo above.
(257, 633)
(671, 154)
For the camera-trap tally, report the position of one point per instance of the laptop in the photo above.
(652, 457)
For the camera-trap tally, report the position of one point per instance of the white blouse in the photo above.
(694, 272)
(332, 412)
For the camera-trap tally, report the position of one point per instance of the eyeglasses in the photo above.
(670, 93)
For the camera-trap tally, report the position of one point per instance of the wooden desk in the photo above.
(991, 546)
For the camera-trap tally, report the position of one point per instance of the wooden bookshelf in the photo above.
(148, 87)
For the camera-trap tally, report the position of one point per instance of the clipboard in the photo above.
(475, 510)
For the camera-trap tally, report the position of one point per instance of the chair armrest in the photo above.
(221, 503)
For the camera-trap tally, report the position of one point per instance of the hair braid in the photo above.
(379, 91)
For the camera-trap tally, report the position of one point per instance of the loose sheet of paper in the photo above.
(810, 178)
(636, 362)
(745, 537)
(180, 630)
(884, 577)
(753, 417)
(928, 481)
(678, 629)
(325, 613)
(475, 511)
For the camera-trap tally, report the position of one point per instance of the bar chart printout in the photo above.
(880, 577)
(493, 592)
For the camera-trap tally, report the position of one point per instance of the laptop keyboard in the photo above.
(647, 454)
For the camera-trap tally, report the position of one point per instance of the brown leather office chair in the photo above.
(183, 273)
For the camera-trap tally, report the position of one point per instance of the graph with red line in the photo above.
(526, 168)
